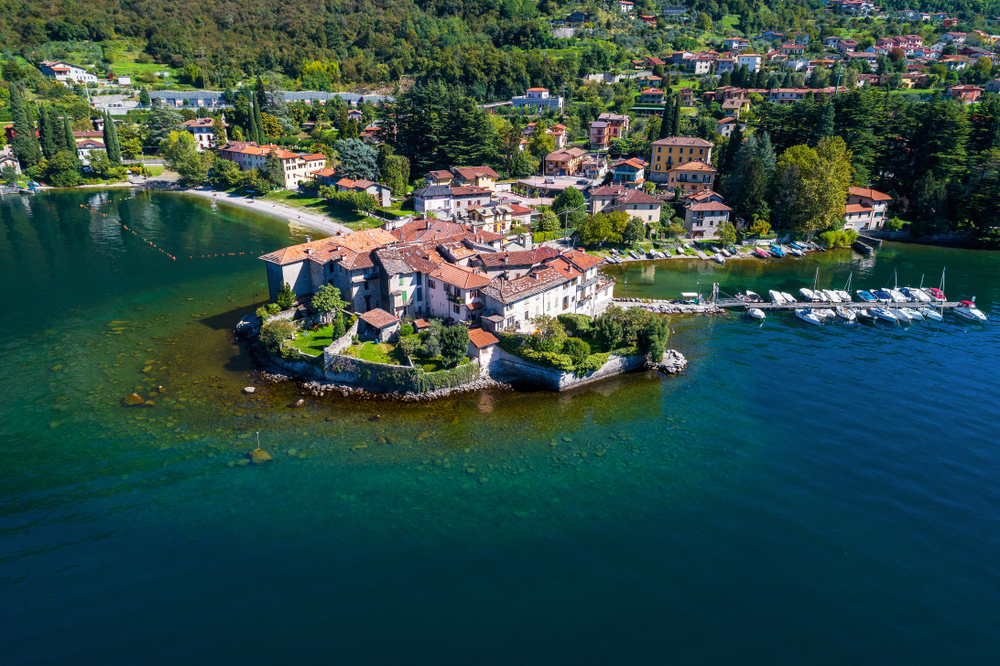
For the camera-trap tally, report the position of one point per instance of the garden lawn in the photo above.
(313, 342)
(377, 352)
(320, 206)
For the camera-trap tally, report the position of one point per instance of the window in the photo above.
(404, 295)
(527, 315)
(418, 295)
(455, 308)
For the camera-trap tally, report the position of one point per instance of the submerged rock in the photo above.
(259, 456)
(249, 389)
(672, 363)
(132, 400)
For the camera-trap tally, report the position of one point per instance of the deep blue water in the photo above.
(799, 495)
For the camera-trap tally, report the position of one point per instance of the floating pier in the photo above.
(855, 305)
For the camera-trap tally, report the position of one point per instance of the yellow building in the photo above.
(676, 150)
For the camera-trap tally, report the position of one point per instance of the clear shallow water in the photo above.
(799, 495)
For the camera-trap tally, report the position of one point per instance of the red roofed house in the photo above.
(651, 96)
(692, 176)
(476, 176)
(865, 208)
(380, 193)
(702, 219)
(482, 345)
(327, 176)
(63, 71)
(964, 94)
(630, 172)
(296, 168)
(203, 131)
(677, 150)
(454, 293)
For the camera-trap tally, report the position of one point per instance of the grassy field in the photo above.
(313, 342)
(377, 352)
(729, 22)
(321, 206)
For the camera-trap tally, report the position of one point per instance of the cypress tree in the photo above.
(49, 135)
(58, 131)
(69, 138)
(112, 147)
(25, 143)
(667, 120)
(677, 116)
(144, 97)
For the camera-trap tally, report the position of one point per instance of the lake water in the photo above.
(799, 495)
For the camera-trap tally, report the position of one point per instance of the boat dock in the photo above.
(769, 307)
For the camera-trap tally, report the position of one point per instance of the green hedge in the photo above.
(425, 382)
(518, 344)
(542, 236)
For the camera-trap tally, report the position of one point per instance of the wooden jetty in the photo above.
(734, 303)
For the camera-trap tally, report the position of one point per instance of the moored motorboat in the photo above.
(788, 298)
(846, 314)
(776, 250)
(864, 316)
(931, 314)
(913, 314)
(754, 297)
(757, 313)
(968, 310)
(884, 314)
(761, 252)
(882, 295)
(901, 316)
(845, 296)
(776, 297)
(936, 294)
(808, 294)
(866, 296)
(795, 251)
(725, 253)
(831, 296)
(807, 315)
(718, 258)
(898, 296)
(916, 294)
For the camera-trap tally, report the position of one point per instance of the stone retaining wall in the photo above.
(667, 307)
(512, 369)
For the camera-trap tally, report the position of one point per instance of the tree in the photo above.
(677, 116)
(258, 124)
(667, 119)
(47, 138)
(358, 160)
(635, 230)
(568, 206)
(824, 124)
(272, 127)
(819, 179)
(338, 326)
(274, 332)
(162, 122)
(271, 172)
(454, 344)
(69, 141)
(727, 234)
(64, 170)
(8, 176)
(144, 97)
(327, 299)
(286, 297)
(226, 173)
(395, 170)
(25, 142)
(181, 155)
(111, 144)
(703, 22)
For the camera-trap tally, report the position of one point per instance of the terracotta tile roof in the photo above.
(538, 89)
(686, 141)
(858, 208)
(460, 276)
(634, 162)
(563, 267)
(200, 122)
(517, 258)
(694, 165)
(326, 173)
(90, 144)
(427, 229)
(582, 260)
(378, 318)
(410, 258)
(565, 154)
(709, 205)
(469, 191)
(868, 193)
(517, 210)
(470, 173)
(314, 157)
(637, 196)
(91, 133)
(482, 338)
(440, 175)
(608, 190)
(359, 242)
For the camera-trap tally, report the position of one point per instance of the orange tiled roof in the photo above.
(694, 165)
(378, 318)
(583, 260)
(868, 193)
(460, 276)
(482, 338)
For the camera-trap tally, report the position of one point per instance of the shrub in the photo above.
(454, 344)
(338, 326)
(838, 237)
(286, 297)
(577, 350)
(575, 324)
(327, 299)
(273, 333)
(265, 311)
(405, 330)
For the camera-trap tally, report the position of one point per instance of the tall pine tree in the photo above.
(25, 142)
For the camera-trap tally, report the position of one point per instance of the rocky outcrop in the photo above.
(132, 400)
(672, 362)
(259, 456)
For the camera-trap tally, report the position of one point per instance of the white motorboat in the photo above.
(826, 313)
(757, 313)
(831, 296)
(806, 315)
(754, 297)
(776, 297)
(794, 250)
(788, 298)
(898, 296)
(931, 314)
(725, 253)
(718, 258)
(846, 314)
(917, 294)
(864, 315)
(884, 314)
(913, 314)
(901, 316)
(807, 294)
(845, 296)
(968, 310)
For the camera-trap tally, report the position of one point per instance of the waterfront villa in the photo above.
(203, 131)
(677, 150)
(295, 168)
(865, 208)
(702, 219)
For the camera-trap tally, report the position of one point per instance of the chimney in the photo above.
(309, 238)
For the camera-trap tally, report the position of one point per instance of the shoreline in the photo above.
(291, 215)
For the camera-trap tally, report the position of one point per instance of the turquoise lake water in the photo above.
(798, 495)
